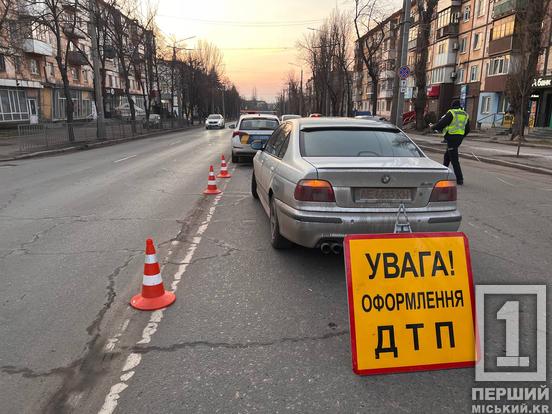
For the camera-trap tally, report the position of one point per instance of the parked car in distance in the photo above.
(315, 115)
(123, 112)
(287, 117)
(214, 121)
(251, 127)
(321, 179)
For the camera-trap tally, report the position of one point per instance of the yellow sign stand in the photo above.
(411, 302)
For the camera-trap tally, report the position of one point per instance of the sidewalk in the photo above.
(12, 148)
(535, 158)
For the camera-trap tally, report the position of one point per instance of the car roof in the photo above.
(253, 116)
(330, 122)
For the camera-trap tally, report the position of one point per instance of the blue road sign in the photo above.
(404, 72)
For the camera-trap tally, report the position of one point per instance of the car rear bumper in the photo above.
(245, 151)
(309, 229)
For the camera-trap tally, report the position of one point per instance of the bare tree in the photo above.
(426, 8)
(528, 46)
(370, 33)
(65, 23)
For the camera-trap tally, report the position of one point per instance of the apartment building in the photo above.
(386, 55)
(31, 88)
(472, 44)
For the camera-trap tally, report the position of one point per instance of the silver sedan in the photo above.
(319, 179)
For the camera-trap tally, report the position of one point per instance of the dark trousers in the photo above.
(451, 155)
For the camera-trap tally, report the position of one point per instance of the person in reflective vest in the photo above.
(455, 125)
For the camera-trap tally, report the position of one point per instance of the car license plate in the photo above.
(372, 195)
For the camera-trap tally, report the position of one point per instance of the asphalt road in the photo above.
(252, 330)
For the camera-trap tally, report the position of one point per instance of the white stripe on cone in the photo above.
(151, 259)
(152, 280)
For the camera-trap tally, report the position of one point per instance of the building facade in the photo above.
(472, 45)
(31, 87)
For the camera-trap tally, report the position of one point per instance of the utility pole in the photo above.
(301, 91)
(223, 104)
(404, 55)
(100, 124)
(172, 79)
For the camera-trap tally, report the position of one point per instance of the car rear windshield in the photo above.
(259, 124)
(356, 142)
(214, 117)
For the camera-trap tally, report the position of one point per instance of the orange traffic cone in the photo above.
(153, 294)
(223, 169)
(212, 183)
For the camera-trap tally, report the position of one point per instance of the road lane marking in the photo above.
(504, 181)
(124, 159)
(134, 359)
(476, 157)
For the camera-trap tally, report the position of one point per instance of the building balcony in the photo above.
(386, 93)
(412, 44)
(387, 74)
(448, 30)
(72, 30)
(76, 58)
(37, 47)
(109, 52)
(500, 46)
(505, 7)
(496, 83)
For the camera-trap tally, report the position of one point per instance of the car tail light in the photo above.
(444, 191)
(235, 134)
(314, 190)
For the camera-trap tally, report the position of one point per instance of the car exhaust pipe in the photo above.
(325, 248)
(337, 248)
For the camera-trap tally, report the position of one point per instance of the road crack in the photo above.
(238, 345)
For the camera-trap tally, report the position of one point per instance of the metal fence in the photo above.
(56, 135)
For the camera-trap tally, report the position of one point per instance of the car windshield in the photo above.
(214, 117)
(356, 142)
(268, 124)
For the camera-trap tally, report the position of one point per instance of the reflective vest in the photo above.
(458, 124)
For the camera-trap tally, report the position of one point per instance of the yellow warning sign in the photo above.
(411, 302)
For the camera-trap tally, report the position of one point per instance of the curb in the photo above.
(488, 160)
(91, 145)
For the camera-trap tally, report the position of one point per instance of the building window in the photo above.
(498, 66)
(17, 64)
(33, 64)
(443, 18)
(504, 104)
(476, 41)
(438, 75)
(2, 63)
(479, 7)
(460, 75)
(85, 76)
(75, 74)
(467, 12)
(474, 73)
(441, 48)
(82, 105)
(51, 69)
(486, 105)
(13, 105)
(504, 28)
(462, 44)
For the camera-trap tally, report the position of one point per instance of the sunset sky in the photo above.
(257, 37)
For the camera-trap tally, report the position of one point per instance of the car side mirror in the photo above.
(258, 145)
(232, 126)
